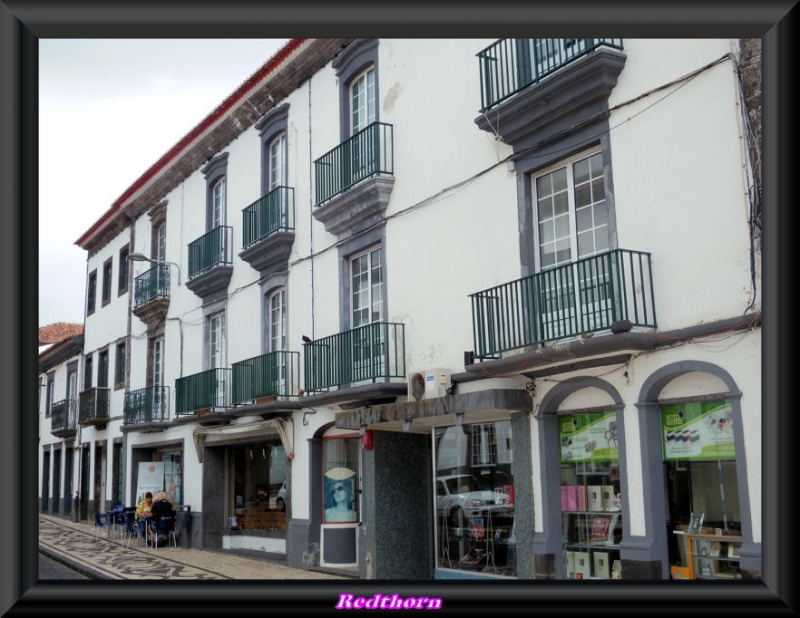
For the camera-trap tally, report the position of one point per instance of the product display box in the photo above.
(594, 498)
(583, 567)
(601, 567)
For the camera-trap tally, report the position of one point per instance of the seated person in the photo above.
(145, 507)
(162, 507)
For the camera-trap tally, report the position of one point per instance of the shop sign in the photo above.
(697, 431)
(588, 437)
(151, 478)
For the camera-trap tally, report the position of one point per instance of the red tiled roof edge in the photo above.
(58, 331)
(223, 107)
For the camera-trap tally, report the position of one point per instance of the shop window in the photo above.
(591, 501)
(700, 482)
(258, 474)
(474, 488)
(340, 480)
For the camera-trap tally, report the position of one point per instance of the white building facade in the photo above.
(490, 309)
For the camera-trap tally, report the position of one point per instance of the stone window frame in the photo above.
(350, 64)
(108, 272)
(215, 170)
(120, 343)
(50, 394)
(123, 281)
(104, 351)
(349, 249)
(271, 125)
(91, 293)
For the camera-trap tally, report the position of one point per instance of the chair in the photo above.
(169, 526)
(132, 528)
(100, 521)
(117, 518)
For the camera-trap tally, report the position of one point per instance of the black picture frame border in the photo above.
(23, 23)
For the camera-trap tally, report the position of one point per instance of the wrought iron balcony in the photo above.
(367, 153)
(571, 300)
(64, 418)
(371, 353)
(203, 391)
(271, 213)
(146, 405)
(509, 65)
(151, 284)
(93, 407)
(211, 249)
(267, 376)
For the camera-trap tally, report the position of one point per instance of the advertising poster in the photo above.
(151, 478)
(340, 495)
(588, 437)
(698, 431)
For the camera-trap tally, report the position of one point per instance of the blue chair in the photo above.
(167, 526)
(132, 528)
(100, 521)
(116, 516)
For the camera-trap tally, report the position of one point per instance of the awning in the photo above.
(270, 427)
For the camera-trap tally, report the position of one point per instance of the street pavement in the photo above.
(74, 545)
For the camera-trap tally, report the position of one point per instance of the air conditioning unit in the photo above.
(428, 384)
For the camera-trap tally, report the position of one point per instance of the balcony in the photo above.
(266, 377)
(93, 407)
(342, 206)
(576, 299)
(151, 294)
(268, 231)
(210, 263)
(510, 65)
(146, 405)
(371, 353)
(203, 392)
(63, 420)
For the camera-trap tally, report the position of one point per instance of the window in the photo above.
(107, 282)
(217, 357)
(474, 499)
(277, 163)
(119, 373)
(362, 101)
(161, 243)
(571, 212)
(257, 474)
(367, 287)
(87, 372)
(218, 203)
(124, 271)
(340, 479)
(102, 369)
(91, 294)
(72, 382)
(50, 394)
(277, 321)
(155, 378)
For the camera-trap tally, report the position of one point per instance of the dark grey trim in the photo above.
(524, 504)
(653, 476)
(216, 168)
(357, 208)
(349, 64)
(270, 126)
(548, 544)
(375, 237)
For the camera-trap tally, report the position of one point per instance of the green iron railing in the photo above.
(270, 375)
(64, 416)
(93, 405)
(211, 249)
(151, 284)
(375, 352)
(207, 389)
(509, 65)
(146, 405)
(575, 299)
(271, 213)
(368, 152)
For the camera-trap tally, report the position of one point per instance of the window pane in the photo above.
(560, 180)
(561, 203)
(581, 170)
(582, 195)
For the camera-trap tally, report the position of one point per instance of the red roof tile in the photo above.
(53, 333)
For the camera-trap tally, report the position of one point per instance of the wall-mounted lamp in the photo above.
(459, 418)
(139, 257)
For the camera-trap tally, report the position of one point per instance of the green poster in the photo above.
(588, 437)
(697, 431)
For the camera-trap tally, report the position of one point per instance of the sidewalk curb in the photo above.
(79, 567)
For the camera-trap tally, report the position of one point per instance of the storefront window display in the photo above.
(591, 502)
(700, 479)
(475, 498)
(340, 479)
(258, 471)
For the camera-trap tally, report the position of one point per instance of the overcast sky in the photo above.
(108, 109)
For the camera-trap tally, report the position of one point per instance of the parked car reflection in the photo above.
(462, 496)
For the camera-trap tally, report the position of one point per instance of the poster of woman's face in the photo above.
(340, 495)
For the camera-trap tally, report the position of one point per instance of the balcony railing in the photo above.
(509, 65)
(211, 249)
(371, 353)
(64, 417)
(151, 284)
(270, 375)
(578, 298)
(146, 405)
(202, 391)
(368, 152)
(93, 406)
(272, 213)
